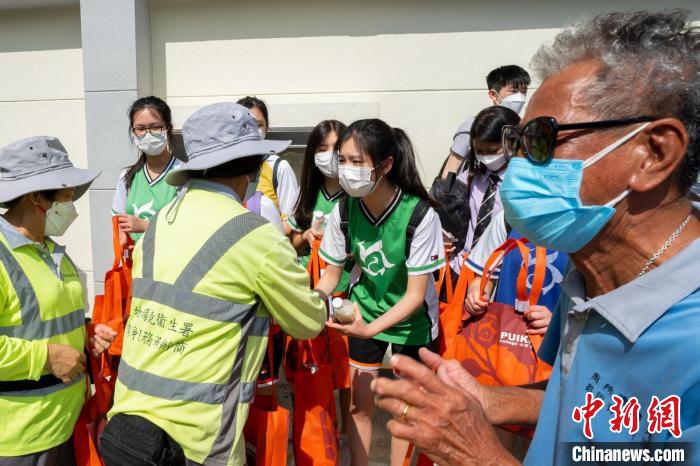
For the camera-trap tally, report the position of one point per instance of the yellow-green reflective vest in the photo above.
(39, 304)
(197, 335)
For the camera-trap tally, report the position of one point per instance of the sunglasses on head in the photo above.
(538, 138)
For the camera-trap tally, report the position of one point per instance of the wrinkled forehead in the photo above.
(564, 95)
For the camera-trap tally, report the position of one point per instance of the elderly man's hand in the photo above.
(452, 373)
(447, 423)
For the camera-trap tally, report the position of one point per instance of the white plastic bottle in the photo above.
(318, 222)
(343, 311)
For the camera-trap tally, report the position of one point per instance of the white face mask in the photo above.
(59, 217)
(327, 162)
(356, 181)
(515, 102)
(262, 132)
(492, 162)
(152, 145)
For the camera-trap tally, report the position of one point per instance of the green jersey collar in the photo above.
(395, 201)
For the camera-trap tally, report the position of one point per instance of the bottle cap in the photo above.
(337, 303)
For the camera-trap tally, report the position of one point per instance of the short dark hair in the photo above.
(244, 166)
(253, 102)
(49, 194)
(508, 75)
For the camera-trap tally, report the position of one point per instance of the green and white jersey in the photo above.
(380, 277)
(324, 202)
(146, 196)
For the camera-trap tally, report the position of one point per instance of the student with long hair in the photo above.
(320, 192)
(388, 226)
(320, 188)
(485, 167)
(142, 190)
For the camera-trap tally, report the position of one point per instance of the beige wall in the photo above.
(418, 65)
(41, 92)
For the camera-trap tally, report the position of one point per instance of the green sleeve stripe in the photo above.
(432, 265)
(329, 259)
(293, 224)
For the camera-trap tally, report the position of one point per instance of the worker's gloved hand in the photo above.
(65, 362)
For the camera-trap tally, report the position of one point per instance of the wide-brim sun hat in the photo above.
(39, 163)
(220, 133)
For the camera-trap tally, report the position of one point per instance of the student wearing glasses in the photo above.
(142, 190)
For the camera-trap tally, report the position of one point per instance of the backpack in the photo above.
(417, 215)
(453, 198)
(266, 182)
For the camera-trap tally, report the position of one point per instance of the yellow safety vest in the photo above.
(39, 304)
(196, 337)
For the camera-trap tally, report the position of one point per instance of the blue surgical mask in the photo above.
(542, 202)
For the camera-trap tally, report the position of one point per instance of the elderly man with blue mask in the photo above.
(603, 163)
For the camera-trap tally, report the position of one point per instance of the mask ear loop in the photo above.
(609, 149)
(619, 198)
(375, 185)
(171, 214)
(614, 145)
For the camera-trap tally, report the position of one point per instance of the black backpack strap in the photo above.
(344, 223)
(417, 216)
(275, 169)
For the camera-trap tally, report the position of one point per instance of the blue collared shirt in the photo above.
(51, 256)
(640, 340)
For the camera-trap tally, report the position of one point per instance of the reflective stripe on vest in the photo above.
(181, 297)
(32, 326)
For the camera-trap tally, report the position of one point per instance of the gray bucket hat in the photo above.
(219, 133)
(39, 163)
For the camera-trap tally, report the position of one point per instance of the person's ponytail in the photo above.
(380, 142)
(132, 170)
(404, 172)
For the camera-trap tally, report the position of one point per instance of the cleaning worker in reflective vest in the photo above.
(42, 320)
(208, 277)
